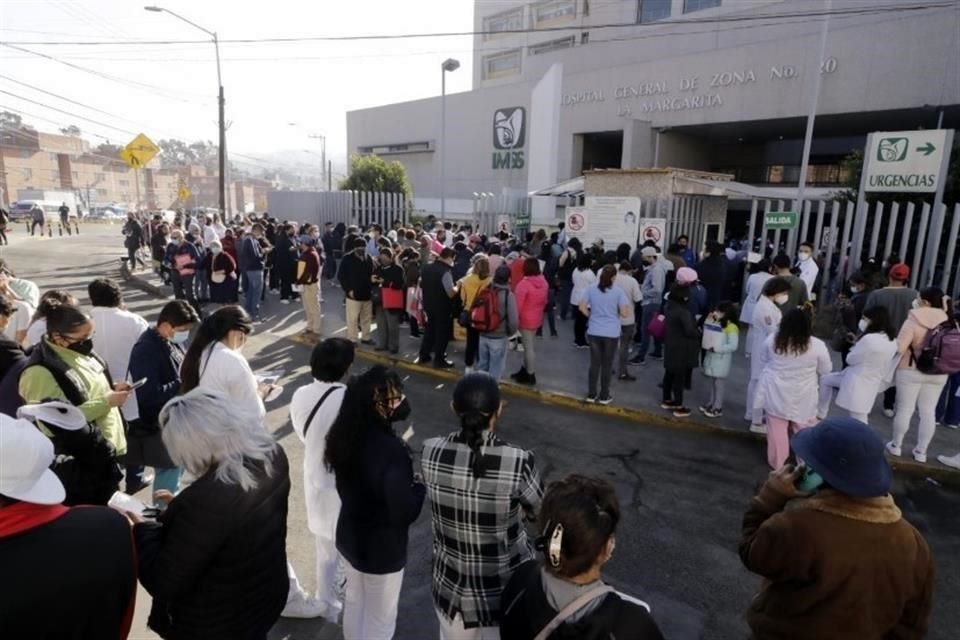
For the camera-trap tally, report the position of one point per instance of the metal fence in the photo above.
(490, 211)
(889, 228)
(361, 208)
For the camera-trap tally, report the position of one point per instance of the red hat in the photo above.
(900, 272)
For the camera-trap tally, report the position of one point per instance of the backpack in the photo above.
(485, 313)
(940, 352)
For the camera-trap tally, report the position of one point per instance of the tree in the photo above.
(373, 173)
(177, 153)
(71, 130)
(10, 120)
(107, 149)
(852, 167)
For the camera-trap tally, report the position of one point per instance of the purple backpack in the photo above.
(941, 350)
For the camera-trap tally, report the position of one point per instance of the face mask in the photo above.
(83, 347)
(180, 337)
(803, 256)
(916, 303)
(314, 234)
(215, 250)
(401, 412)
(856, 289)
(862, 325)
(781, 299)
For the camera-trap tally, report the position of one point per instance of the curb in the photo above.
(938, 474)
(142, 283)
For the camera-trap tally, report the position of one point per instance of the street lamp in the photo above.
(448, 65)
(324, 169)
(222, 147)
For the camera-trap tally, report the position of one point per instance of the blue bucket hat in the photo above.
(848, 454)
(307, 240)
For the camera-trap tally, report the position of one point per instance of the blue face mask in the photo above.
(179, 337)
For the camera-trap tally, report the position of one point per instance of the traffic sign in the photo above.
(905, 161)
(184, 193)
(139, 152)
(781, 220)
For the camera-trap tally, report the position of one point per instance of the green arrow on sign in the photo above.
(927, 149)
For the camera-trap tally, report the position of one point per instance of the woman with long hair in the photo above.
(759, 274)
(477, 279)
(765, 321)
(214, 360)
(793, 361)
(604, 305)
(531, 302)
(481, 489)
(869, 364)
(918, 391)
(380, 498)
(578, 520)
(215, 560)
(583, 278)
(681, 349)
(549, 266)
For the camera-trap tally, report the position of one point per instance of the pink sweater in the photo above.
(914, 331)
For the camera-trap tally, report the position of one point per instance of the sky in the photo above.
(170, 90)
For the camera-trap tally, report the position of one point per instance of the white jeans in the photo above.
(454, 630)
(370, 607)
(329, 572)
(917, 392)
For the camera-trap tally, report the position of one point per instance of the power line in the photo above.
(449, 34)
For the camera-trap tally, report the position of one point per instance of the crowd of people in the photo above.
(180, 397)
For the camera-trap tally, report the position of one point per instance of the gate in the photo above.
(361, 208)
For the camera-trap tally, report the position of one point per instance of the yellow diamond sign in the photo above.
(139, 152)
(183, 192)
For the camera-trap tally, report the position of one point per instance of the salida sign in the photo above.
(509, 137)
(905, 161)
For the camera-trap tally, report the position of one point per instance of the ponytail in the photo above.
(476, 400)
(214, 328)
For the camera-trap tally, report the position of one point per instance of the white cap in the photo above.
(25, 459)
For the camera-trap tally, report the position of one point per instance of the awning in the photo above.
(743, 191)
(567, 189)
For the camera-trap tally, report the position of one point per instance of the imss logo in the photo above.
(509, 136)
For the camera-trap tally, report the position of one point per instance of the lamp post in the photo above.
(448, 65)
(222, 147)
(324, 171)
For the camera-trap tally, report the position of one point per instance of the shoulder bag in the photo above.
(572, 608)
(316, 407)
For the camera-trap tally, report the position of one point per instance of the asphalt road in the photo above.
(682, 493)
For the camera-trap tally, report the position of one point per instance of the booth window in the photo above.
(653, 10)
(552, 45)
(553, 12)
(501, 65)
(506, 21)
(697, 5)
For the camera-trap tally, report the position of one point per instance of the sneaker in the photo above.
(919, 456)
(627, 377)
(681, 412)
(636, 361)
(304, 607)
(952, 426)
(284, 302)
(590, 399)
(669, 405)
(705, 409)
(656, 356)
(758, 428)
(889, 413)
(605, 401)
(950, 461)
(714, 413)
(893, 449)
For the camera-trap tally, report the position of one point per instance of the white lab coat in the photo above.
(227, 371)
(582, 280)
(763, 324)
(754, 290)
(789, 385)
(115, 332)
(320, 487)
(808, 273)
(869, 362)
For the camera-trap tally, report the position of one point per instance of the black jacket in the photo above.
(379, 503)
(73, 578)
(157, 360)
(216, 563)
(10, 354)
(355, 276)
(436, 302)
(712, 272)
(527, 611)
(682, 342)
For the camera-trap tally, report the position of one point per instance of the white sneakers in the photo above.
(950, 461)
(889, 413)
(894, 449)
(758, 428)
(304, 606)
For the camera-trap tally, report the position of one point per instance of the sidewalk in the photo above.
(562, 379)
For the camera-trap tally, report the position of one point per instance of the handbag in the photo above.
(658, 326)
(572, 608)
(392, 298)
(218, 277)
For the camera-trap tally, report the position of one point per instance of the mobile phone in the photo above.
(809, 480)
(139, 383)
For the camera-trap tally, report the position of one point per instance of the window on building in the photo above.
(552, 12)
(28, 174)
(501, 65)
(552, 45)
(99, 176)
(26, 154)
(507, 21)
(653, 10)
(585, 37)
(697, 5)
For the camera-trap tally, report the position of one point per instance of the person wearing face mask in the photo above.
(380, 498)
(897, 298)
(798, 289)
(184, 259)
(214, 360)
(285, 263)
(156, 357)
(851, 312)
(252, 261)
(308, 278)
(372, 246)
(221, 272)
(388, 276)
(809, 269)
(117, 331)
(356, 272)
(765, 322)
(63, 366)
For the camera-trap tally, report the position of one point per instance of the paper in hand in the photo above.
(407, 434)
(123, 503)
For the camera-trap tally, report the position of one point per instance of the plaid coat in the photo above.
(478, 532)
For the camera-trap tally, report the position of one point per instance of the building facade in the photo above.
(566, 86)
